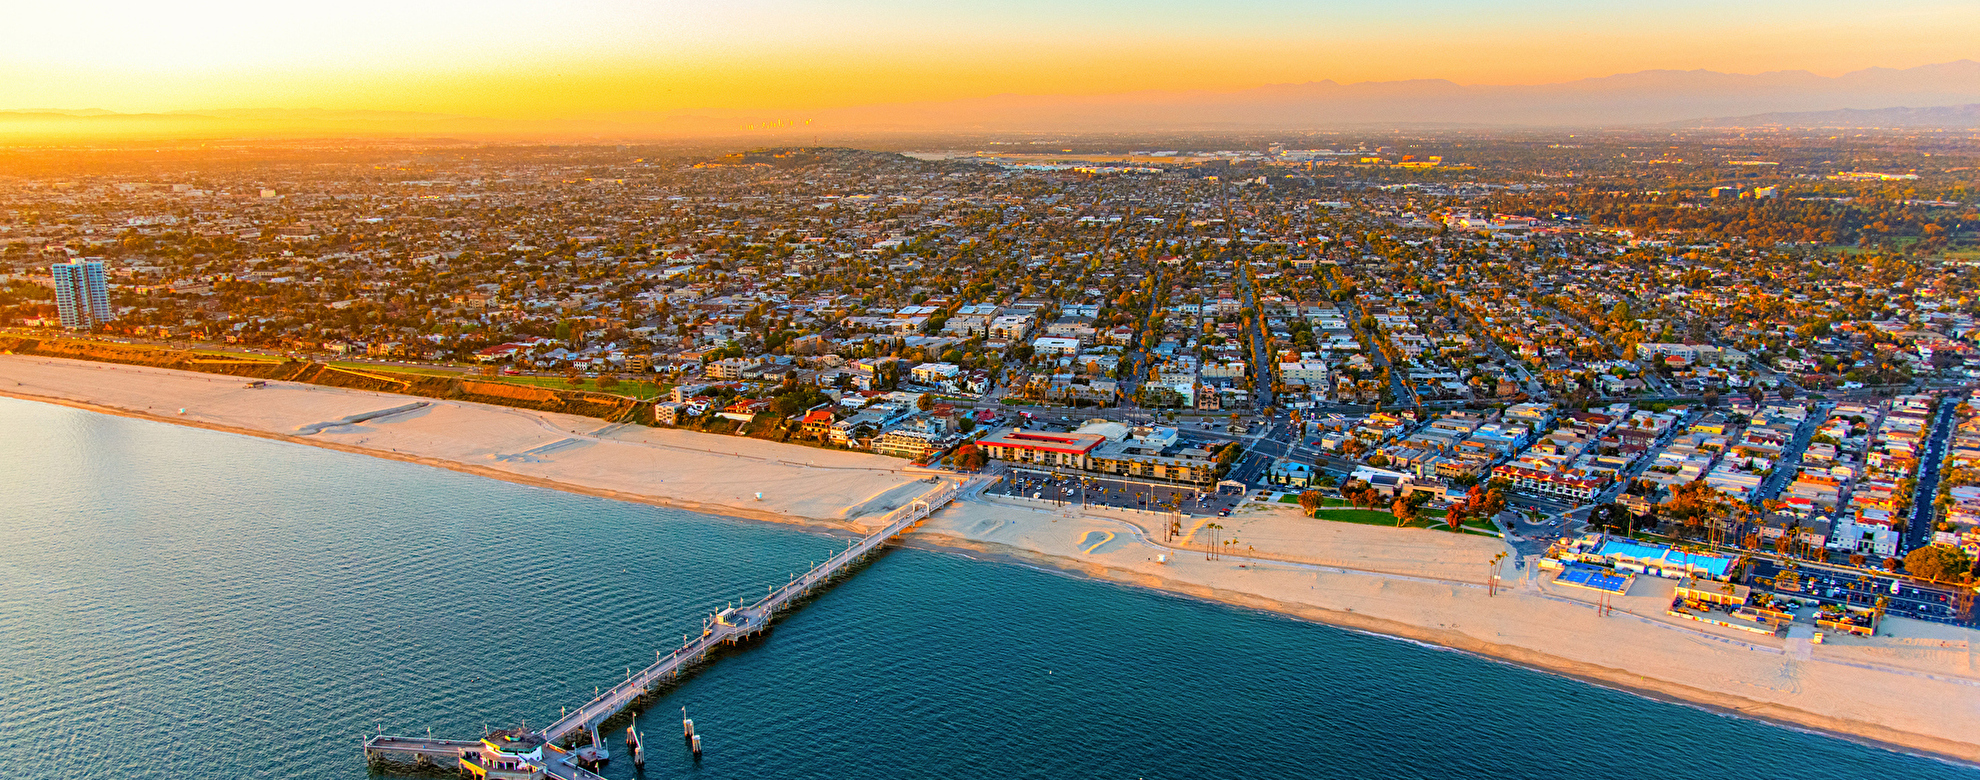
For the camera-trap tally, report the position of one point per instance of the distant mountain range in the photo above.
(1945, 94)
(1966, 117)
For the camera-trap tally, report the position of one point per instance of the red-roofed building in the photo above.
(817, 424)
(745, 410)
(1067, 450)
(497, 352)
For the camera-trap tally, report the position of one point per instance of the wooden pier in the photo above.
(723, 628)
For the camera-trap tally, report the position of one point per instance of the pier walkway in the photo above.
(723, 628)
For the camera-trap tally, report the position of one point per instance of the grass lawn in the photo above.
(1293, 498)
(384, 369)
(640, 389)
(211, 354)
(637, 389)
(1387, 520)
(1362, 516)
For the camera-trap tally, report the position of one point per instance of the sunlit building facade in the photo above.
(82, 294)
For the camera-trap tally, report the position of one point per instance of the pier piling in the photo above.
(733, 624)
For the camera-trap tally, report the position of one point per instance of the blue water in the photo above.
(183, 603)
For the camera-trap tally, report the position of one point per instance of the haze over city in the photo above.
(788, 61)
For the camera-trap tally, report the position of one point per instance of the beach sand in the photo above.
(686, 469)
(1919, 692)
(1916, 690)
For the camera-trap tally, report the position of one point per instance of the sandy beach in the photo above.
(1917, 689)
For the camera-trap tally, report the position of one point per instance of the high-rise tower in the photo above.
(82, 294)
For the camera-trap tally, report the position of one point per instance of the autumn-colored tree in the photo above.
(1939, 562)
(1311, 501)
(1698, 505)
(970, 458)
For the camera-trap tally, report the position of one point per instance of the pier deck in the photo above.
(447, 752)
(726, 627)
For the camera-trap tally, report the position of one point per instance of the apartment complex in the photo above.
(82, 293)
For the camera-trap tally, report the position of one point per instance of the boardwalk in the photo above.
(728, 626)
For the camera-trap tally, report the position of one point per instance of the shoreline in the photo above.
(723, 510)
(1860, 732)
(1032, 537)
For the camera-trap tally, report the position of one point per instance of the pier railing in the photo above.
(732, 625)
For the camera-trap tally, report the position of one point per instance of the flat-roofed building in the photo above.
(1065, 450)
(935, 373)
(1312, 374)
(1148, 460)
(916, 440)
(1563, 484)
(730, 369)
(1056, 347)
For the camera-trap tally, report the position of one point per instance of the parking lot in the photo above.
(1839, 586)
(1094, 491)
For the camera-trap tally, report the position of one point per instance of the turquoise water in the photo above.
(182, 603)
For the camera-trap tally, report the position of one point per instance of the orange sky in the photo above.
(514, 59)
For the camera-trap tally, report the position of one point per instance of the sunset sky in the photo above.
(514, 59)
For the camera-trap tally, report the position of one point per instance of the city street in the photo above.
(1918, 531)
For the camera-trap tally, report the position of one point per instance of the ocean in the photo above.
(177, 602)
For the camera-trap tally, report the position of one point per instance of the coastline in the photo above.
(723, 510)
(1861, 732)
(1418, 586)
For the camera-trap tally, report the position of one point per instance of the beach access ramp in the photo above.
(354, 419)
